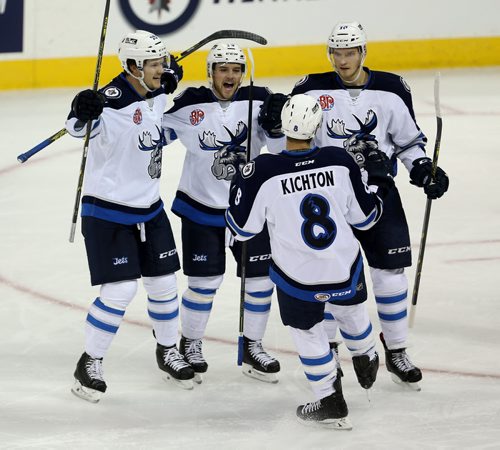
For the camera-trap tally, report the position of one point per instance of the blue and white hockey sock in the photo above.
(106, 314)
(257, 307)
(356, 329)
(391, 294)
(163, 308)
(317, 359)
(197, 302)
(330, 324)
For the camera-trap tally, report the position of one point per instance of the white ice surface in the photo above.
(45, 292)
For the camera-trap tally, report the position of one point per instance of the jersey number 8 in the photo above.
(315, 210)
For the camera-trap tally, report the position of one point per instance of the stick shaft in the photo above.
(23, 157)
(427, 214)
(89, 125)
(244, 245)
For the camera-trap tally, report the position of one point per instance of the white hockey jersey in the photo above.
(215, 138)
(309, 200)
(125, 153)
(382, 109)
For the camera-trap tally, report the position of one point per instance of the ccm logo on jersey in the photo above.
(196, 117)
(304, 163)
(167, 254)
(394, 251)
(325, 297)
(326, 102)
(257, 258)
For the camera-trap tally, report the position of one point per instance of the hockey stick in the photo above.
(23, 157)
(244, 251)
(221, 34)
(428, 205)
(89, 124)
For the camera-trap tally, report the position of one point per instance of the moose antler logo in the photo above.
(229, 156)
(148, 144)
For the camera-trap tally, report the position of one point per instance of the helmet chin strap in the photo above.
(141, 80)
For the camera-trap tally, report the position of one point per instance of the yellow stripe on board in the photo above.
(269, 62)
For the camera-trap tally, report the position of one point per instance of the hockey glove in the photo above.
(421, 176)
(379, 168)
(270, 114)
(88, 105)
(359, 145)
(171, 76)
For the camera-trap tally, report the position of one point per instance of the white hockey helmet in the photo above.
(347, 35)
(301, 117)
(139, 46)
(225, 54)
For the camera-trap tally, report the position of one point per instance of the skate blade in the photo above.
(85, 393)
(334, 424)
(183, 384)
(249, 371)
(198, 378)
(411, 386)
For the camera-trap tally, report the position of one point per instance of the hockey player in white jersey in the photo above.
(126, 230)
(310, 197)
(212, 124)
(359, 103)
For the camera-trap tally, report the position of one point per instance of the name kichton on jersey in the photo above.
(307, 181)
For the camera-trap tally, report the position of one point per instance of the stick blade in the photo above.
(240, 350)
(239, 34)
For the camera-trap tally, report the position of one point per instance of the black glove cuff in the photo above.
(421, 173)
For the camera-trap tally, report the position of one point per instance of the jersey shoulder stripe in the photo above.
(120, 93)
(393, 83)
(317, 81)
(192, 96)
(259, 93)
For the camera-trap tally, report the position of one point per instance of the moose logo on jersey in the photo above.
(336, 128)
(357, 141)
(229, 156)
(148, 144)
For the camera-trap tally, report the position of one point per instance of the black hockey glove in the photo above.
(379, 168)
(270, 114)
(171, 76)
(359, 145)
(421, 176)
(88, 105)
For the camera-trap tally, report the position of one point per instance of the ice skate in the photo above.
(366, 370)
(89, 383)
(401, 368)
(257, 363)
(334, 346)
(192, 352)
(328, 412)
(176, 369)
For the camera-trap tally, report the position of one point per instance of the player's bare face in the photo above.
(347, 62)
(226, 79)
(153, 70)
